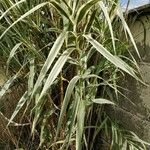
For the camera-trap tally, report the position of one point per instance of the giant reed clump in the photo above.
(69, 54)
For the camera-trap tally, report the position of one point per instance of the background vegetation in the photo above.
(64, 60)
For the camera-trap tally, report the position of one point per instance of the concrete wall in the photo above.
(140, 94)
(133, 112)
(141, 32)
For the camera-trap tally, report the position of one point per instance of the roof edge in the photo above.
(139, 9)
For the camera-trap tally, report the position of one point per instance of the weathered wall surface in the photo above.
(140, 94)
(133, 112)
(141, 33)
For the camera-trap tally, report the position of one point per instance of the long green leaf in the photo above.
(80, 125)
(73, 117)
(75, 6)
(12, 123)
(113, 59)
(55, 71)
(37, 112)
(7, 85)
(97, 131)
(90, 22)
(120, 14)
(52, 76)
(16, 4)
(109, 23)
(24, 16)
(84, 9)
(12, 53)
(61, 10)
(137, 139)
(20, 104)
(67, 97)
(44, 123)
(52, 55)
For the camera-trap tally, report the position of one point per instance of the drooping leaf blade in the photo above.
(12, 53)
(84, 9)
(90, 22)
(113, 59)
(60, 10)
(104, 8)
(52, 55)
(24, 16)
(6, 86)
(55, 71)
(126, 28)
(20, 104)
(52, 76)
(16, 4)
(67, 97)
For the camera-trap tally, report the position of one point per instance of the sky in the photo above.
(134, 3)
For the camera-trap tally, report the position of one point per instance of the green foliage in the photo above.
(69, 53)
